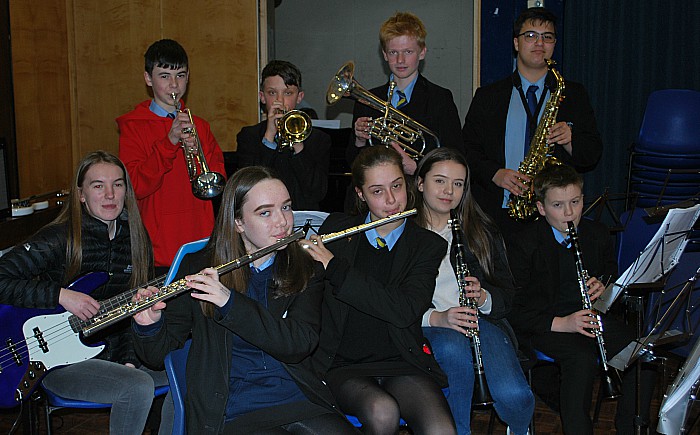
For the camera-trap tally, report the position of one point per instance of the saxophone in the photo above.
(540, 153)
(481, 394)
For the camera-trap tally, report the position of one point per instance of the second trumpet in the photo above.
(206, 184)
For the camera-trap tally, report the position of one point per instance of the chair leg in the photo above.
(47, 413)
(532, 422)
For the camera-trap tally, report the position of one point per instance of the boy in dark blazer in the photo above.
(304, 167)
(402, 37)
(547, 312)
(495, 127)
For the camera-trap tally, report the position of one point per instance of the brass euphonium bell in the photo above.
(394, 126)
(206, 184)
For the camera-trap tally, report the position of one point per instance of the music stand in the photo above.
(309, 221)
(661, 254)
(674, 409)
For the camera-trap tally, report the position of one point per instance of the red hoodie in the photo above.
(172, 215)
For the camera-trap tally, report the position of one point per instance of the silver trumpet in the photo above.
(394, 126)
(206, 184)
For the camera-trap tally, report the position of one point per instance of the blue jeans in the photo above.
(129, 390)
(513, 399)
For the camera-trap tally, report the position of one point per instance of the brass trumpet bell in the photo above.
(294, 127)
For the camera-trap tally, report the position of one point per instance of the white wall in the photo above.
(319, 36)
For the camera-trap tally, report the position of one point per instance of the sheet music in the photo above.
(313, 218)
(661, 254)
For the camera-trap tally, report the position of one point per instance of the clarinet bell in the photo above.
(481, 395)
(610, 383)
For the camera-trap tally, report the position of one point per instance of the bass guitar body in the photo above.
(35, 341)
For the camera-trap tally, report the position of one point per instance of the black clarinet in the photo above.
(481, 395)
(611, 378)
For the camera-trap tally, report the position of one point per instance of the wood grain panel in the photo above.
(221, 41)
(78, 65)
(41, 91)
(109, 40)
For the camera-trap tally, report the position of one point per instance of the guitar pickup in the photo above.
(12, 347)
(40, 340)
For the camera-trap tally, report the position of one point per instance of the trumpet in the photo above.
(206, 184)
(293, 127)
(610, 382)
(123, 305)
(394, 126)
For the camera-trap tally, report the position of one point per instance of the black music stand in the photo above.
(309, 221)
(661, 254)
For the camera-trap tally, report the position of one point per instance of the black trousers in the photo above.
(578, 361)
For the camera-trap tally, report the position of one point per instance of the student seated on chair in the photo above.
(547, 312)
(98, 229)
(442, 183)
(252, 329)
(372, 351)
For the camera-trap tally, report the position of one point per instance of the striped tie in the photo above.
(566, 242)
(381, 243)
(402, 99)
(171, 115)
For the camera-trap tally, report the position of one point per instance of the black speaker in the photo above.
(5, 205)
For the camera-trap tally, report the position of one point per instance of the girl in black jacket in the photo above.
(372, 351)
(252, 329)
(99, 229)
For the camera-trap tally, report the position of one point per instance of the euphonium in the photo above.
(293, 127)
(611, 381)
(394, 126)
(205, 183)
(481, 394)
(540, 153)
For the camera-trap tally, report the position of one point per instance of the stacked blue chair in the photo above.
(665, 159)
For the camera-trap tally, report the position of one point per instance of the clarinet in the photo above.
(481, 395)
(611, 378)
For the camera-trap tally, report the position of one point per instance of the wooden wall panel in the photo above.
(78, 65)
(221, 41)
(42, 95)
(108, 42)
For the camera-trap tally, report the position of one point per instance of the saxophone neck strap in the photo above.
(531, 118)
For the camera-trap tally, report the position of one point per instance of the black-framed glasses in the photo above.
(532, 37)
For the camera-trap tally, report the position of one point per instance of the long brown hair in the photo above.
(72, 216)
(369, 158)
(479, 229)
(293, 266)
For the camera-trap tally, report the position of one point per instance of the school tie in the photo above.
(171, 115)
(532, 105)
(381, 243)
(402, 99)
(566, 242)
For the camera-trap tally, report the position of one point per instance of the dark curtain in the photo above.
(622, 50)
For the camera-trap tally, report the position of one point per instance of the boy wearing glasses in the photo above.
(503, 117)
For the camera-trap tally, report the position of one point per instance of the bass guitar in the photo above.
(34, 341)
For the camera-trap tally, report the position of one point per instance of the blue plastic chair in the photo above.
(670, 123)
(185, 249)
(175, 365)
(55, 402)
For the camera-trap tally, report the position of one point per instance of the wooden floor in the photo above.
(77, 422)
